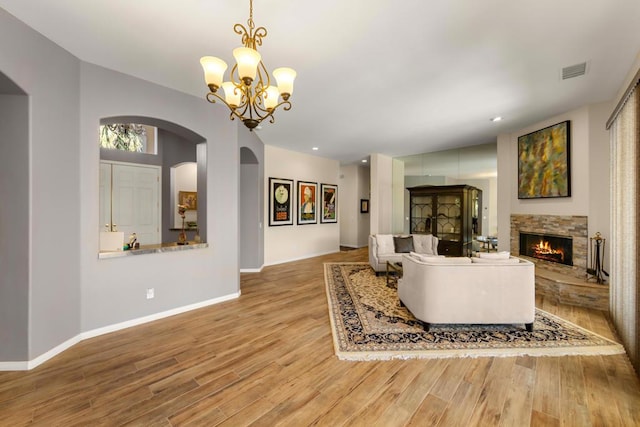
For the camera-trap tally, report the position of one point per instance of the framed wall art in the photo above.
(307, 202)
(280, 201)
(188, 199)
(329, 194)
(364, 205)
(544, 168)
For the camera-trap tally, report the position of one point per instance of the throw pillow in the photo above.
(403, 244)
(424, 244)
(384, 244)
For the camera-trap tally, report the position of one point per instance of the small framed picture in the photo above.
(364, 205)
(280, 201)
(307, 202)
(329, 194)
(188, 199)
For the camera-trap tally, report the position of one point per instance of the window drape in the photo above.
(625, 226)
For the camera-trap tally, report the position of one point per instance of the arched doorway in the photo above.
(251, 211)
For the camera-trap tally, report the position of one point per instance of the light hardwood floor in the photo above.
(267, 359)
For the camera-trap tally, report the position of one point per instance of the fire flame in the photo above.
(544, 248)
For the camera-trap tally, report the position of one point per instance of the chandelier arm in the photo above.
(258, 35)
(287, 106)
(211, 97)
(262, 71)
(246, 35)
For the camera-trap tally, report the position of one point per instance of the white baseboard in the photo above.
(14, 366)
(282, 261)
(252, 270)
(28, 365)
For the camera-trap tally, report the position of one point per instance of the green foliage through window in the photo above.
(126, 137)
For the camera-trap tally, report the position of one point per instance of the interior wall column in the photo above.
(381, 209)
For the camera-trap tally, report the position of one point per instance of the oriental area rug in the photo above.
(368, 323)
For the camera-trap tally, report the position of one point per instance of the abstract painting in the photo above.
(544, 168)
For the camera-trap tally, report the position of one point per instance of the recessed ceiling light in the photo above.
(364, 160)
(496, 119)
(315, 148)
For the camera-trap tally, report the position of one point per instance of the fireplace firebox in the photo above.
(547, 247)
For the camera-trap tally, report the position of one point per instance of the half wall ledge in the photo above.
(152, 249)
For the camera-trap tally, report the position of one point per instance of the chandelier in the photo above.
(249, 93)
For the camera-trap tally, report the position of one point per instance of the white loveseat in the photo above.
(382, 248)
(468, 290)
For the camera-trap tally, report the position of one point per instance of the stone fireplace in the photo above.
(552, 235)
(547, 247)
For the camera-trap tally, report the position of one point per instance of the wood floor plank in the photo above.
(267, 359)
(429, 413)
(573, 395)
(546, 396)
(597, 384)
(519, 401)
(488, 409)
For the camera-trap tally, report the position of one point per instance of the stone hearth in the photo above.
(562, 283)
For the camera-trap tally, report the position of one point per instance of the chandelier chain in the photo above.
(250, 20)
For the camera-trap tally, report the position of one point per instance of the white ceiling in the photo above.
(374, 76)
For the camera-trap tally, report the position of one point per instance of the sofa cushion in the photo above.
(424, 257)
(403, 244)
(392, 257)
(495, 261)
(494, 255)
(385, 244)
(447, 260)
(423, 243)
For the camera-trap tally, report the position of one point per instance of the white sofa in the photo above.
(468, 290)
(382, 248)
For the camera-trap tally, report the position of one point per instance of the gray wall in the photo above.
(50, 76)
(70, 289)
(114, 289)
(176, 150)
(14, 227)
(251, 200)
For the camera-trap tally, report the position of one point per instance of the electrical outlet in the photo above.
(151, 293)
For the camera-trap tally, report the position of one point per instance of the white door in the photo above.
(135, 201)
(104, 223)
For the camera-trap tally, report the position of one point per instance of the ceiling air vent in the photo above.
(574, 71)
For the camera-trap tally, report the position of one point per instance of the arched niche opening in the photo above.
(250, 211)
(175, 145)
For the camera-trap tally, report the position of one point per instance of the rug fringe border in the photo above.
(462, 354)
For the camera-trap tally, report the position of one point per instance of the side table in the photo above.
(394, 271)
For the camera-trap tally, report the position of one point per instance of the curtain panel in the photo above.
(625, 226)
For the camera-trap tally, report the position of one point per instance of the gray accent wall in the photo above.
(113, 290)
(251, 200)
(14, 227)
(58, 288)
(50, 76)
(176, 150)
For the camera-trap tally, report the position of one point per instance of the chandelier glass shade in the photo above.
(249, 92)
